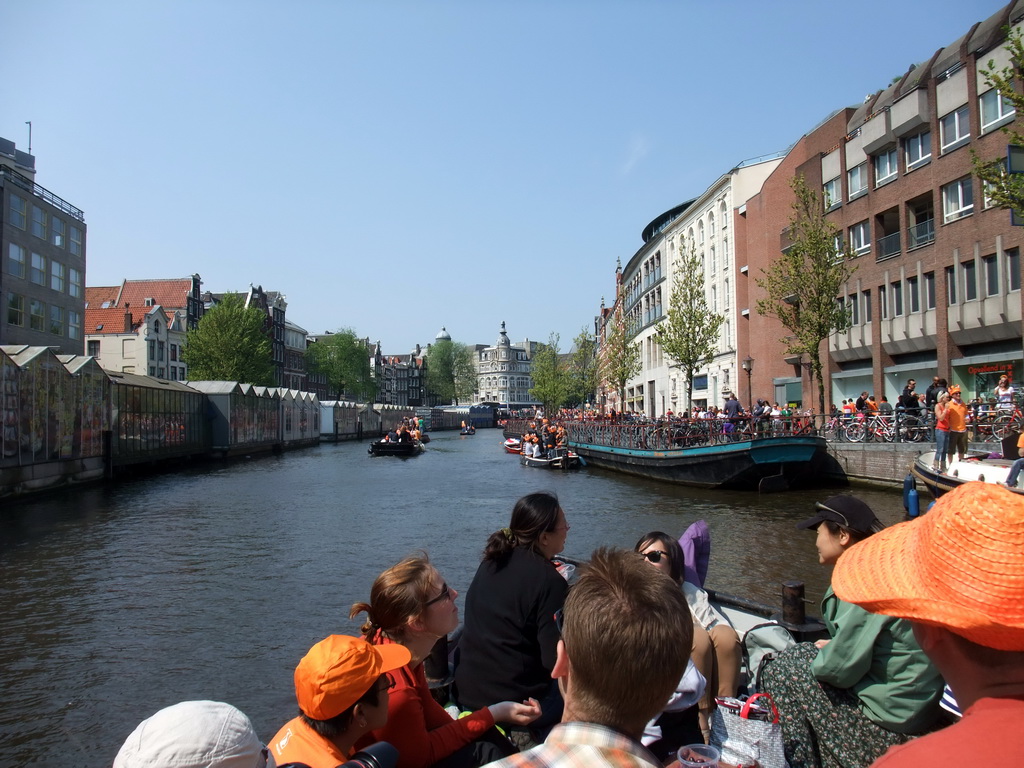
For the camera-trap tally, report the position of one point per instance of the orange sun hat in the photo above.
(960, 566)
(338, 670)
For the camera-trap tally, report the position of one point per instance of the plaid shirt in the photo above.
(582, 745)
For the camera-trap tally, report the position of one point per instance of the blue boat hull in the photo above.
(743, 464)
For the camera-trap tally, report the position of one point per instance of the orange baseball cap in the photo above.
(338, 670)
(960, 566)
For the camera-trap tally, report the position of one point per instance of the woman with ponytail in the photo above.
(410, 604)
(507, 650)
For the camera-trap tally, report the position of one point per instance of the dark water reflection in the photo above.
(212, 583)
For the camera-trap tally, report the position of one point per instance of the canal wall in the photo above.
(879, 464)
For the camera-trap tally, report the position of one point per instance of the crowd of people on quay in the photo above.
(623, 666)
(544, 439)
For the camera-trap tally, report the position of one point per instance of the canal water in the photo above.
(211, 583)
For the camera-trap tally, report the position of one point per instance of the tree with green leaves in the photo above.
(583, 368)
(230, 343)
(689, 333)
(550, 379)
(1006, 189)
(804, 284)
(619, 355)
(344, 359)
(451, 375)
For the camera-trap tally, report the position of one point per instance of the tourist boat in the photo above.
(769, 462)
(976, 467)
(561, 459)
(384, 448)
(513, 445)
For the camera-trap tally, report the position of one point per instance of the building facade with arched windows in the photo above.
(503, 372)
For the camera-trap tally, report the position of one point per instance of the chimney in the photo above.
(127, 318)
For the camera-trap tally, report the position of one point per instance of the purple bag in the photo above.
(696, 544)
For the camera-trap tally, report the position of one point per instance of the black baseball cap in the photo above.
(847, 511)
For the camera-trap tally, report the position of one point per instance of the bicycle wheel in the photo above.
(913, 430)
(856, 432)
(1003, 425)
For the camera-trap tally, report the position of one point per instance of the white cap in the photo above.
(194, 734)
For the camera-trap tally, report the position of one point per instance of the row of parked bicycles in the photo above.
(910, 427)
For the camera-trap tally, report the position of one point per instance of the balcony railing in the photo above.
(32, 188)
(888, 246)
(921, 234)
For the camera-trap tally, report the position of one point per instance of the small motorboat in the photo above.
(976, 467)
(385, 448)
(513, 445)
(468, 431)
(560, 459)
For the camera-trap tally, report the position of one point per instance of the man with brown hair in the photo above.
(626, 634)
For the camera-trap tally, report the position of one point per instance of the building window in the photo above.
(15, 309)
(857, 180)
(19, 212)
(75, 243)
(883, 302)
(955, 129)
(57, 232)
(38, 273)
(860, 237)
(897, 299)
(74, 324)
(74, 283)
(957, 199)
(851, 302)
(950, 286)
(152, 350)
(36, 315)
(38, 222)
(92, 348)
(56, 320)
(970, 281)
(1013, 269)
(16, 259)
(174, 353)
(56, 276)
(995, 110)
(991, 268)
(160, 350)
(833, 193)
(886, 166)
(929, 290)
(913, 294)
(917, 149)
(866, 296)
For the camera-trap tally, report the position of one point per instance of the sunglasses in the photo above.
(654, 555)
(389, 683)
(445, 594)
(845, 523)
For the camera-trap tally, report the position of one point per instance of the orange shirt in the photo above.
(956, 415)
(296, 742)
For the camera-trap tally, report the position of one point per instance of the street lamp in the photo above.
(748, 366)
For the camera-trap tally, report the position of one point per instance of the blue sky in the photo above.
(395, 167)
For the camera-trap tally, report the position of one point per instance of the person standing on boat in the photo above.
(412, 606)
(509, 637)
(956, 415)
(845, 700)
(618, 662)
(941, 432)
(957, 575)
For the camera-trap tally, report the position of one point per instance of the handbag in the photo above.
(749, 735)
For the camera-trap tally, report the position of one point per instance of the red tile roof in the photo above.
(96, 295)
(112, 321)
(170, 294)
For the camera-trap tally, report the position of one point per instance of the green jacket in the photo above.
(878, 658)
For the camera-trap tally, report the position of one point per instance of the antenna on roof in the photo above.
(29, 124)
